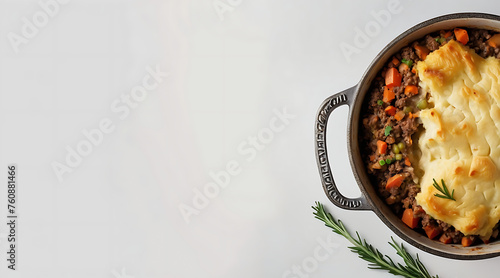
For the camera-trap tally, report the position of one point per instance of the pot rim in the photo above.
(359, 170)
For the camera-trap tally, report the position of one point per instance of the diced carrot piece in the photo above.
(407, 161)
(395, 61)
(390, 110)
(445, 239)
(409, 219)
(467, 241)
(461, 35)
(415, 115)
(432, 231)
(403, 67)
(414, 71)
(381, 147)
(399, 115)
(447, 34)
(388, 95)
(418, 210)
(494, 41)
(394, 181)
(411, 89)
(421, 51)
(410, 115)
(392, 78)
(372, 157)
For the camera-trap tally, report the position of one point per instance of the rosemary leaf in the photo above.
(444, 189)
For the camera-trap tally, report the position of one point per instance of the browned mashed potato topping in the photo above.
(431, 135)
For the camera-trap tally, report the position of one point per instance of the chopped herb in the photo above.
(380, 102)
(412, 267)
(387, 130)
(409, 63)
(444, 190)
(381, 162)
(440, 40)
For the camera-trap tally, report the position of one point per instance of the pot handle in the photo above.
(343, 98)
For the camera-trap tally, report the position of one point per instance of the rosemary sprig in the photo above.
(444, 190)
(413, 268)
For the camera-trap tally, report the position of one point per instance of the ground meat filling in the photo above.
(390, 126)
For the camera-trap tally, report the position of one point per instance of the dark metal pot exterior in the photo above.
(353, 97)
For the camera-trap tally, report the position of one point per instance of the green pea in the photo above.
(381, 162)
(422, 104)
(401, 146)
(388, 161)
(399, 156)
(407, 109)
(395, 148)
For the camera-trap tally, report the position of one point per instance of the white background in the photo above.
(117, 213)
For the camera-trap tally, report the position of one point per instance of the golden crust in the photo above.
(461, 140)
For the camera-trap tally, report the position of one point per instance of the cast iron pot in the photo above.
(353, 97)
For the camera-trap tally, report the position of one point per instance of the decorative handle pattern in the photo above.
(325, 172)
